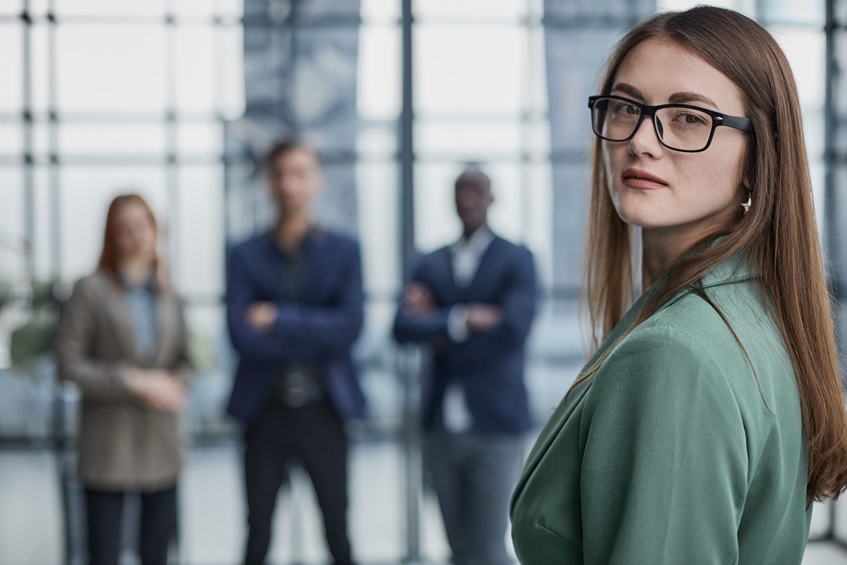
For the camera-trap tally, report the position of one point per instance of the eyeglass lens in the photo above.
(677, 127)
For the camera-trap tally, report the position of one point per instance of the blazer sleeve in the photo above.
(664, 457)
(96, 378)
(421, 328)
(519, 304)
(325, 331)
(300, 332)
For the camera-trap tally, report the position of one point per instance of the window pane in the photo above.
(111, 68)
(382, 11)
(111, 8)
(12, 225)
(199, 231)
(379, 228)
(44, 240)
(434, 199)
(794, 11)
(377, 141)
(200, 138)
(11, 7)
(230, 72)
(40, 71)
(747, 7)
(112, 138)
(84, 199)
(379, 80)
(477, 10)
(468, 140)
(11, 138)
(468, 69)
(195, 8)
(806, 53)
(11, 60)
(195, 69)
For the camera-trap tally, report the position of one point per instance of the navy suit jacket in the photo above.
(490, 364)
(318, 329)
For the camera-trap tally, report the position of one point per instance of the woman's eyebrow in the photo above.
(628, 89)
(686, 97)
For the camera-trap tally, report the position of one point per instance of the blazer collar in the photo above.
(735, 268)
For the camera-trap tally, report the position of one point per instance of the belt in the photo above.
(298, 386)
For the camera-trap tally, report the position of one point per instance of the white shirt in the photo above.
(467, 254)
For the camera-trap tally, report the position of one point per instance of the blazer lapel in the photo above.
(121, 317)
(165, 325)
(487, 263)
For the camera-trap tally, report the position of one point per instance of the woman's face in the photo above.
(135, 235)
(678, 194)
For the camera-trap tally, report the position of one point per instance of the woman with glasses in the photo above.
(123, 341)
(710, 415)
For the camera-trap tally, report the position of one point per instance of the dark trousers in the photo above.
(474, 475)
(314, 435)
(104, 512)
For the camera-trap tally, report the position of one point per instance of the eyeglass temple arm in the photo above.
(744, 124)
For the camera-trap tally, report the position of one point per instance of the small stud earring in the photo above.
(746, 205)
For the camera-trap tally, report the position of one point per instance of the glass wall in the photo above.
(177, 100)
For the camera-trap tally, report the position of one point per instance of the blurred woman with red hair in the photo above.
(123, 340)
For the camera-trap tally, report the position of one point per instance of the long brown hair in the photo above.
(110, 257)
(778, 234)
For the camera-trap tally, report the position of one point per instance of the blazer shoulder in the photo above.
(511, 247)
(93, 285)
(248, 245)
(339, 239)
(661, 361)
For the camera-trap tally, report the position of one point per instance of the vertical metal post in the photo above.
(407, 155)
(406, 365)
(171, 161)
(53, 147)
(830, 203)
(29, 182)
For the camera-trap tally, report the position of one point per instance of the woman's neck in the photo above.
(660, 250)
(136, 270)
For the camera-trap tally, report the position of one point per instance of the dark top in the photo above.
(318, 293)
(489, 364)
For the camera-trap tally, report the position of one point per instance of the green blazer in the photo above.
(676, 452)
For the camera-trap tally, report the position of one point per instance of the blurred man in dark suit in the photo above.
(473, 302)
(294, 308)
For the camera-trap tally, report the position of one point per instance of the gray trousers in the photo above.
(474, 475)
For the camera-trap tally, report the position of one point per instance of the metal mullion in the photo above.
(526, 134)
(54, 181)
(171, 173)
(28, 150)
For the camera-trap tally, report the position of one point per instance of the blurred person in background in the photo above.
(122, 339)
(473, 302)
(711, 413)
(294, 309)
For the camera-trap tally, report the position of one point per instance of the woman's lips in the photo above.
(642, 180)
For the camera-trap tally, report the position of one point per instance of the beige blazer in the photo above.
(122, 443)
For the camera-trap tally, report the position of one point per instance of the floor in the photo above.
(212, 512)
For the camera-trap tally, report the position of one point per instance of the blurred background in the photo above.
(178, 99)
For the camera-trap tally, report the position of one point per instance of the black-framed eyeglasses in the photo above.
(680, 127)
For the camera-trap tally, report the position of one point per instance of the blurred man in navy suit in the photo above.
(473, 302)
(294, 308)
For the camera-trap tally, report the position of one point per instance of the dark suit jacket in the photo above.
(490, 363)
(318, 329)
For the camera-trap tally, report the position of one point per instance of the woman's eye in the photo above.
(624, 109)
(690, 119)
